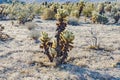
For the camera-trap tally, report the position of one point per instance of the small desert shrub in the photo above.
(98, 18)
(31, 25)
(93, 41)
(48, 14)
(115, 9)
(73, 21)
(108, 8)
(102, 19)
(34, 34)
(25, 16)
(115, 13)
(116, 17)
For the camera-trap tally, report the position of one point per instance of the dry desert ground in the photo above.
(20, 57)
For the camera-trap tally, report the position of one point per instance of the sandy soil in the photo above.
(17, 55)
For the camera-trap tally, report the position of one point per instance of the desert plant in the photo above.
(115, 12)
(116, 17)
(25, 14)
(3, 36)
(98, 18)
(87, 10)
(58, 50)
(61, 15)
(73, 21)
(48, 14)
(81, 6)
(74, 13)
(108, 8)
(100, 8)
(2, 10)
(93, 41)
(31, 25)
(34, 34)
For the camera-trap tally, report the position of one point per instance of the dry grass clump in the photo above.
(93, 41)
(34, 34)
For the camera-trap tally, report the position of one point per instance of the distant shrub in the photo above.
(31, 25)
(48, 14)
(34, 34)
(116, 17)
(108, 8)
(73, 21)
(115, 13)
(98, 18)
(93, 41)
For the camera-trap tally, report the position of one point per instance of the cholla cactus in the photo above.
(58, 50)
(101, 8)
(61, 14)
(94, 17)
(81, 6)
(75, 14)
(46, 45)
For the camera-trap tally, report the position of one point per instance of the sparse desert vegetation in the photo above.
(60, 41)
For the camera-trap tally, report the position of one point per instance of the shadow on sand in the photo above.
(85, 73)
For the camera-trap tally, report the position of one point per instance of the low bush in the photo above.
(73, 21)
